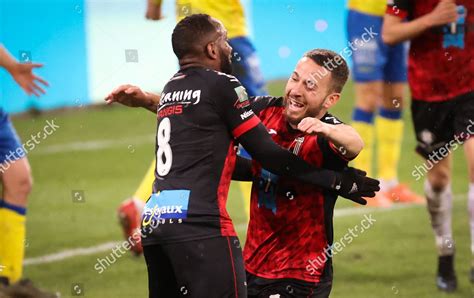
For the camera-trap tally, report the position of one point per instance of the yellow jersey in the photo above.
(373, 7)
(229, 12)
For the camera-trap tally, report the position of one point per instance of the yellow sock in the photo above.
(2, 239)
(12, 229)
(364, 160)
(144, 190)
(389, 141)
(245, 191)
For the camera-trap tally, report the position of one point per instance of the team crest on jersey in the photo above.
(242, 98)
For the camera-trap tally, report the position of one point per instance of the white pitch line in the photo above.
(92, 145)
(71, 253)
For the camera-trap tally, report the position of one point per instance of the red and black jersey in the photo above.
(290, 221)
(441, 62)
(201, 113)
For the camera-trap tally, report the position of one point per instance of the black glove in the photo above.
(353, 184)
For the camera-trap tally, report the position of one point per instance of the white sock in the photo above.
(439, 206)
(470, 206)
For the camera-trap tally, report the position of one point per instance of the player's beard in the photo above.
(294, 120)
(226, 63)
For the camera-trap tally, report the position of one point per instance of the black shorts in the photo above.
(211, 267)
(439, 126)
(259, 287)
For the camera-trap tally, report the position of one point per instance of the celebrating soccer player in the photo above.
(245, 67)
(290, 233)
(441, 78)
(190, 245)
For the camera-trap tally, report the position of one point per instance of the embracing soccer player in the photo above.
(245, 67)
(287, 251)
(441, 78)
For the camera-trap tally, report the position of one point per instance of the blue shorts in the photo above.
(246, 66)
(10, 146)
(375, 60)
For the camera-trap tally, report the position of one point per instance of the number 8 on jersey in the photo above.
(164, 156)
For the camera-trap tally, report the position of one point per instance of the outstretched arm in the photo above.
(133, 96)
(22, 73)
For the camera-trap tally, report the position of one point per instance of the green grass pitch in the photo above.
(105, 151)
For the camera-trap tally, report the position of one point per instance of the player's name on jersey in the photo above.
(182, 97)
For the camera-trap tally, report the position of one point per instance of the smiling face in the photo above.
(308, 91)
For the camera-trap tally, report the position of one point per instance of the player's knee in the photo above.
(439, 179)
(369, 95)
(471, 171)
(19, 189)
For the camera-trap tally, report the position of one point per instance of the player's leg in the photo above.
(469, 151)
(368, 74)
(389, 127)
(161, 278)
(367, 97)
(439, 202)
(130, 210)
(211, 268)
(17, 183)
(464, 129)
(434, 128)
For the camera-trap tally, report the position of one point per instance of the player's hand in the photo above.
(23, 74)
(353, 184)
(444, 13)
(128, 95)
(312, 125)
(153, 11)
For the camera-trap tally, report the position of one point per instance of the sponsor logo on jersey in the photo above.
(183, 97)
(246, 114)
(170, 110)
(167, 204)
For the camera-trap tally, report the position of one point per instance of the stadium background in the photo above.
(84, 43)
(98, 155)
